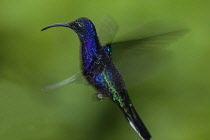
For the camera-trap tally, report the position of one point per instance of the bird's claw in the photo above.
(100, 96)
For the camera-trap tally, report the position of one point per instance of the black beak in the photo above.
(56, 25)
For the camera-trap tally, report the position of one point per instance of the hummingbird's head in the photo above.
(82, 26)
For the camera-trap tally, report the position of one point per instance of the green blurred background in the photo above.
(174, 104)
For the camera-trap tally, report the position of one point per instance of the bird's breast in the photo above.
(89, 54)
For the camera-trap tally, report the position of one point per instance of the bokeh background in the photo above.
(174, 103)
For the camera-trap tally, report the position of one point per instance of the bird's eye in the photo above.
(79, 25)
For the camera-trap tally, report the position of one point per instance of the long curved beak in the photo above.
(56, 25)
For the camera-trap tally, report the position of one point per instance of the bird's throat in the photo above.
(90, 46)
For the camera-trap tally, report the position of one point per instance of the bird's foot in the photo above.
(100, 96)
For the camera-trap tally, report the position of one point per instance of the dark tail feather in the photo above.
(136, 122)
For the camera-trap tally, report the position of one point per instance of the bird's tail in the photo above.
(135, 121)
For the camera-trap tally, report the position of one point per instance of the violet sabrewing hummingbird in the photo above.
(100, 71)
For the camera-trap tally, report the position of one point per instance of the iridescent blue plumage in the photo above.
(108, 50)
(100, 72)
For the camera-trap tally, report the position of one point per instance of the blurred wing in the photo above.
(77, 78)
(140, 59)
(107, 31)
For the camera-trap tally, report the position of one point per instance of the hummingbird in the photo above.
(100, 72)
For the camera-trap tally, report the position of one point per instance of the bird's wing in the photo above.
(141, 53)
(141, 58)
(77, 78)
(107, 30)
